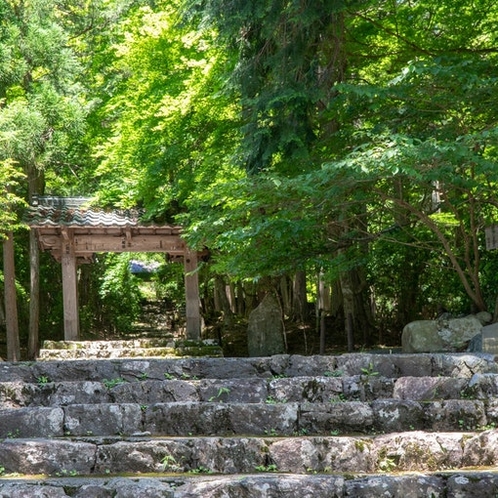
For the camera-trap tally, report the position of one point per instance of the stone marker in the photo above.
(265, 334)
(490, 338)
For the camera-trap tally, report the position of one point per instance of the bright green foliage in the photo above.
(290, 54)
(167, 121)
(406, 154)
(40, 111)
(9, 202)
(285, 135)
(120, 294)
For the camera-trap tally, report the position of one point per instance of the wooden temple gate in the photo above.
(74, 232)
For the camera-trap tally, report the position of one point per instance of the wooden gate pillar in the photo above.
(70, 292)
(193, 312)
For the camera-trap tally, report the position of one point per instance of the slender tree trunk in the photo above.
(299, 301)
(286, 295)
(349, 308)
(323, 294)
(34, 297)
(36, 185)
(230, 291)
(220, 288)
(11, 320)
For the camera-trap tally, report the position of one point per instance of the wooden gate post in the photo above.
(193, 312)
(70, 292)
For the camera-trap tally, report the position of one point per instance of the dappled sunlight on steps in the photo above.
(288, 425)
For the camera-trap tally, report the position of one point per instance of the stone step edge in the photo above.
(472, 483)
(165, 352)
(257, 390)
(168, 341)
(257, 419)
(390, 366)
(397, 452)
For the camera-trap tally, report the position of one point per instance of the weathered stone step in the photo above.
(451, 485)
(81, 354)
(110, 344)
(139, 389)
(164, 347)
(225, 419)
(461, 484)
(383, 365)
(400, 452)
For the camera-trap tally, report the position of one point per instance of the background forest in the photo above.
(340, 153)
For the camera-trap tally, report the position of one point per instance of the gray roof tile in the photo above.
(77, 212)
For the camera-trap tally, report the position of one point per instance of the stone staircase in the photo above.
(167, 347)
(354, 425)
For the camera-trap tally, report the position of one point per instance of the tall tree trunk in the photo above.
(323, 294)
(11, 320)
(286, 294)
(34, 297)
(299, 301)
(348, 303)
(36, 185)
(220, 289)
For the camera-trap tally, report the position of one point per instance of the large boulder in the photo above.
(265, 333)
(429, 336)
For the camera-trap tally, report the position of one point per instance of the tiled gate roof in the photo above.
(78, 212)
(59, 220)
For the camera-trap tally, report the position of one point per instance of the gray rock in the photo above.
(476, 485)
(429, 388)
(314, 389)
(102, 420)
(220, 455)
(397, 416)
(265, 328)
(31, 422)
(340, 417)
(484, 317)
(464, 414)
(418, 451)
(233, 390)
(367, 387)
(475, 344)
(270, 419)
(481, 449)
(403, 486)
(277, 486)
(323, 454)
(47, 456)
(426, 336)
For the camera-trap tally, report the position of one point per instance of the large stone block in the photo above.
(428, 336)
(102, 420)
(429, 388)
(279, 419)
(455, 414)
(47, 456)
(397, 415)
(314, 389)
(323, 454)
(188, 418)
(418, 451)
(340, 417)
(31, 422)
(405, 486)
(233, 391)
